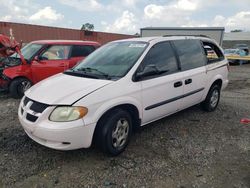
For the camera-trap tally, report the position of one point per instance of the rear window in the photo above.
(212, 52)
(191, 54)
(81, 51)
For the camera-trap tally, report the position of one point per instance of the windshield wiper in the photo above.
(89, 69)
(80, 74)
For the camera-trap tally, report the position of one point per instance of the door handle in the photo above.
(178, 84)
(188, 81)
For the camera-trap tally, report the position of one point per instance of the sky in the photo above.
(128, 16)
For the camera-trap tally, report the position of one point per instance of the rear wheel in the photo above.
(212, 100)
(18, 86)
(114, 132)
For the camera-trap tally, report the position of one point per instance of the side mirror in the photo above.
(39, 58)
(36, 58)
(149, 70)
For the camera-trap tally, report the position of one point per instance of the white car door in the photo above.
(161, 82)
(194, 78)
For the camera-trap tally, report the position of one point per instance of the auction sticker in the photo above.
(138, 45)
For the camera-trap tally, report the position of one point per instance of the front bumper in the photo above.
(56, 135)
(4, 84)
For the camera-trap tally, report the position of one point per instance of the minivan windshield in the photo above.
(111, 61)
(28, 51)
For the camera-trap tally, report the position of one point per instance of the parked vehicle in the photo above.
(236, 53)
(242, 47)
(41, 59)
(120, 87)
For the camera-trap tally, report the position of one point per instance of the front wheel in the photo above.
(115, 132)
(18, 86)
(212, 100)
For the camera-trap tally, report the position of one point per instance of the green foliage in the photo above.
(88, 27)
(236, 30)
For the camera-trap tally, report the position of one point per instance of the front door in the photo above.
(162, 87)
(51, 61)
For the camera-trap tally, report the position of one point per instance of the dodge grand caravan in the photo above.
(120, 87)
(41, 59)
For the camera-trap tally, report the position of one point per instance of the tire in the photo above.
(212, 100)
(114, 132)
(18, 86)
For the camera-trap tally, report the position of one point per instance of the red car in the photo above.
(41, 59)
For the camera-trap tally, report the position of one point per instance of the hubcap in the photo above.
(25, 85)
(120, 133)
(214, 98)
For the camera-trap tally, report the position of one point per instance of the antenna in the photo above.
(11, 35)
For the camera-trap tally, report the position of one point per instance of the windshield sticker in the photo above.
(137, 45)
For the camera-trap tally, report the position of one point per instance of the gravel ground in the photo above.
(189, 149)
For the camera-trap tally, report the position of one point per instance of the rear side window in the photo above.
(81, 51)
(191, 54)
(212, 52)
(162, 58)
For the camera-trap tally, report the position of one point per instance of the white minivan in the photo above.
(121, 86)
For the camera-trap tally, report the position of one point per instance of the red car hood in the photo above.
(8, 46)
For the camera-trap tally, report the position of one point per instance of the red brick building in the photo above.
(28, 33)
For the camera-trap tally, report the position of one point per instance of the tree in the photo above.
(236, 30)
(137, 34)
(88, 27)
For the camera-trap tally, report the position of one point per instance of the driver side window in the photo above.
(160, 57)
(56, 52)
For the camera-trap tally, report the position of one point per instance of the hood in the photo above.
(8, 46)
(63, 89)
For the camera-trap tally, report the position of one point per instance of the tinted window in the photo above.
(212, 52)
(190, 53)
(56, 52)
(162, 57)
(82, 51)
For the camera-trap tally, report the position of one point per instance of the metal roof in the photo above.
(237, 36)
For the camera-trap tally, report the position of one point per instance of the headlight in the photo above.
(68, 113)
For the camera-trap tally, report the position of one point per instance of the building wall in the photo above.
(230, 39)
(230, 44)
(27, 33)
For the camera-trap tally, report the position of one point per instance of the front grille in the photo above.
(38, 107)
(31, 118)
(25, 101)
(35, 106)
(31, 109)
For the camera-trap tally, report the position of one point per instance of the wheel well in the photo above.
(20, 77)
(131, 109)
(217, 82)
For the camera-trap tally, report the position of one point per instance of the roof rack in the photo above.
(187, 36)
